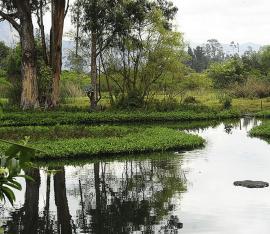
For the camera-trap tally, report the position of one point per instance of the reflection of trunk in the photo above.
(63, 215)
(47, 207)
(97, 218)
(58, 16)
(82, 204)
(94, 93)
(30, 220)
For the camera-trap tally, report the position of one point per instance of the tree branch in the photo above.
(10, 19)
(66, 11)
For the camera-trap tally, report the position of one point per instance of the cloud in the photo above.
(226, 20)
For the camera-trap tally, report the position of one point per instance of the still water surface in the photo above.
(179, 192)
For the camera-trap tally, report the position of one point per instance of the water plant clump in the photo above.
(149, 139)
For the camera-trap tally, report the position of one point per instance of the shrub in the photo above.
(225, 100)
(70, 89)
(133, 100)
(4, 85)
(168, 104)
(190, 100)
(227, 73)
(252, 88)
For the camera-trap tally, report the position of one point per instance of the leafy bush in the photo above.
(168, 104)
(133, 100)
(225, 100)
(190, 100)
(44, 82)
(70, 89)
(4, 85)
(262, 131)
(227, 73)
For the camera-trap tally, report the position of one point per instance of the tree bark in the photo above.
(40, 22)
(58, 17)
(29, 95)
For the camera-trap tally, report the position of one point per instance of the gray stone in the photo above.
(251, 184)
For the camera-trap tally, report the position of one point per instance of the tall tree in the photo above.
(19, 15)
(58, 12)
(214, 50)
(117, 27)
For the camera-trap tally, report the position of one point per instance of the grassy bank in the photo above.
(76, 118)
(146, 140)
(262, 131)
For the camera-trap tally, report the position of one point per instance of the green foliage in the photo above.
(12, 161)
(73, 84)
(4, 84)
(4, 52)
(133, 100)
(44, 81)
(227, 73)
(14, 62)
(167, 104)
(262, 131)
(198, 59)
(264, 56)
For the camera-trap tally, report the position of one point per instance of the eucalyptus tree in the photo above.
(114, 30)
(58, 13)
(19, 15)
(94, 21)
(214, 51)
(144, 49)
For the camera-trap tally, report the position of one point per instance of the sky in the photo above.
(240, 21)
(226, 20)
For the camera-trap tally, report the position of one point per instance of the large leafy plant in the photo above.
(12, 162)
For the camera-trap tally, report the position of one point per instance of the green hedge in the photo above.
(55, 132)
(53, 118)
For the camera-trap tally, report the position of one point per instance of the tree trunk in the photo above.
(93, 97)
(58, 16)
(29, 96)
(40, 14)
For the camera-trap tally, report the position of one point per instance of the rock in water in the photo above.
(251, 184)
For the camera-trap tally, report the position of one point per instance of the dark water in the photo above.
(188, 192)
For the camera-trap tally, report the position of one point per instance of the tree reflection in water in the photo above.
(110, 197)
(129, 196)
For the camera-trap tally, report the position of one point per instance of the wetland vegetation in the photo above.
(130, 129)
